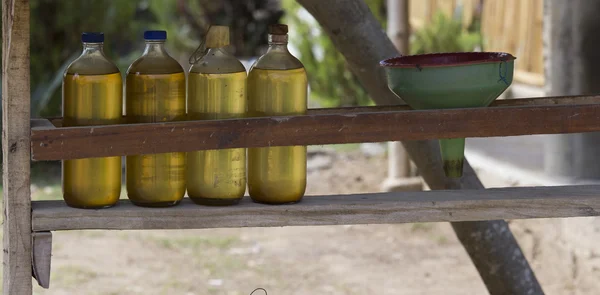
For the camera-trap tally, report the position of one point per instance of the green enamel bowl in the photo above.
(450, 80)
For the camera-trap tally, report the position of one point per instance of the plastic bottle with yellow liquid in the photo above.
(155, 92)
(216, 90)
(92, 94)
(277, 86)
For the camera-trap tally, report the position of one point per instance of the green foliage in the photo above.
(331, 81)
(56, 27)
(444, 34)
(167, 17)
(332, 84)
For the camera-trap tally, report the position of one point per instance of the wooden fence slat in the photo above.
(515, 26)
(16, 147)
(314, 129)
(468, 11)
(510, 28)
(521, 39)
(529, 78)
(537, 58)
(378, 208)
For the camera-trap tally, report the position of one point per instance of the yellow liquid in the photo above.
(277, 175)
(216, 177)
(92, 100)
(158, 179)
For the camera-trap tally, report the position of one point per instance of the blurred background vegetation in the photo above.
(56, 27)
(446, 34)
(331, 82)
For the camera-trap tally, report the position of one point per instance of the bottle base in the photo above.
(92, 207)
(216, 202)
(276, 203)
(156, 204)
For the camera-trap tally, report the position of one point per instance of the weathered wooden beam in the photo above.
(493, 249)
(49, 143)
(378, 208)
(16, 147)
(533, 101)
(42, 257)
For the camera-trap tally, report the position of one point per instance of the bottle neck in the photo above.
(93, 48)
(215, 50)
(155, 48)
(278, 43)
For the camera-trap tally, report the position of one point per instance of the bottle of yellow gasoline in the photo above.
(277, 85)
(92, 94)
(155, 92)
(216, 90)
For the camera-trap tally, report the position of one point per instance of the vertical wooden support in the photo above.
(573, 44)
(399, 166)
(16, 147)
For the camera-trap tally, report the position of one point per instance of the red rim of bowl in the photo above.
(434, 60)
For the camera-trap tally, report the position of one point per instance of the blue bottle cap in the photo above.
(155, 35)
(92, 37)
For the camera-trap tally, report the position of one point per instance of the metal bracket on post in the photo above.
(42, 256)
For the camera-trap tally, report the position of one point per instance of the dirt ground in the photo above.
(366, 259)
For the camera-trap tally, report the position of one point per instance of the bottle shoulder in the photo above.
(217, 62)
(92, 65)
(277, 61)
(155, 65)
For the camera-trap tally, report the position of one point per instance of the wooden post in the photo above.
(399, 166)
(16, 147)
(398, 26)
(571, 56)
(398, 30)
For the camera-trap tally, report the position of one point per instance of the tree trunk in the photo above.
(359, 37)
(572, 62)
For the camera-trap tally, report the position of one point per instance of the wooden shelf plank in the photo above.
(380, 208)
(353, 125)
(551, 100)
